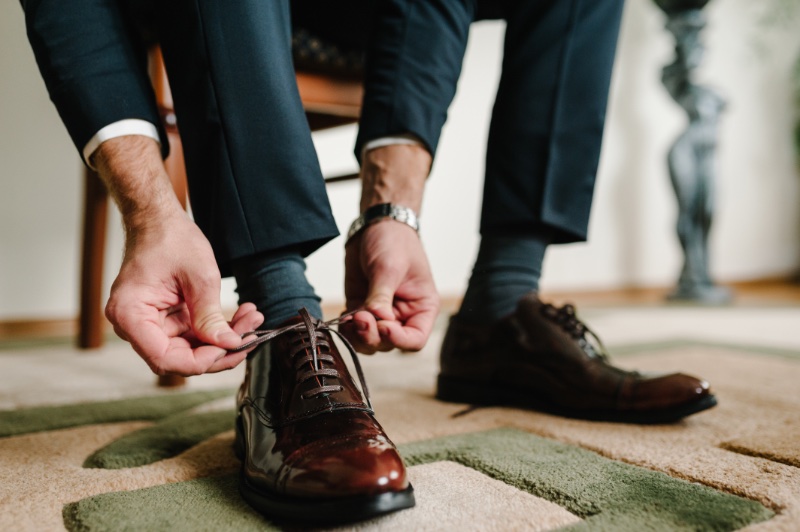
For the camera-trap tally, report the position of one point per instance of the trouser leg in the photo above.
(254, 178)
(547, 122)
(413, 64)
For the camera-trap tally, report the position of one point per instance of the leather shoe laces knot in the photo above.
(566, 318)
(311, 347)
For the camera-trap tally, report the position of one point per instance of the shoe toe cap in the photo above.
(344, 467)
(666, 391)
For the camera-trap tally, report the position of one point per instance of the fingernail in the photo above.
(361, 326)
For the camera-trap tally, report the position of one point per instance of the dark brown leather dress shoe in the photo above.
(310, 446)
(543, 358)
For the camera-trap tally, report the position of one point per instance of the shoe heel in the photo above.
(454, 391)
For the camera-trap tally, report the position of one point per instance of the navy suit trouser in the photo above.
(547, 123)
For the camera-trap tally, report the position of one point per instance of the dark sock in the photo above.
(507, 268)
(276, 283)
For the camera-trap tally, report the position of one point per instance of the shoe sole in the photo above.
(322, 511)
(460, 391)
(331, 511)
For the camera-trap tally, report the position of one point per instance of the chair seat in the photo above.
(330, 95)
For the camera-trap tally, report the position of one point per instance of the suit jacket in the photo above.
(93, 63)
(254, 179)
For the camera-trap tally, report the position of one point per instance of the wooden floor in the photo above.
(752, 293)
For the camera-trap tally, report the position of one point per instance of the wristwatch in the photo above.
(383, 211)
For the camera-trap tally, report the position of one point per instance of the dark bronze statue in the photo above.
(691, 158)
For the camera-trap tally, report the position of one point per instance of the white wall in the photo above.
(632, 240)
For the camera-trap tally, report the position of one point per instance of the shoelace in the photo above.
(566, 318)
(311, 342)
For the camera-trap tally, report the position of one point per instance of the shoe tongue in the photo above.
(291, 321)
(350, 395)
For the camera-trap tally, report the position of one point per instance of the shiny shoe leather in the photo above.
(310, 446)
(543, 358)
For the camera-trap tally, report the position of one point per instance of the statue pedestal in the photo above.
(701, 295)
(691, 158)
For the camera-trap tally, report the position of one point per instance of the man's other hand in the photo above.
(387, 272)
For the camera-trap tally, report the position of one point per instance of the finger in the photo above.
(167, 356)
(363, 319)
(246, 322)
(208, 322)
(229, 361)
(140, 325)
(363, 334)
(145, 335)
(172, 356)
(366, 330)
(119, 332)
(244, 308)
(177, 323)
(353, 336)
(402, 337)
(122, 310)
(202, 359)
(382, 289)
(411, 335)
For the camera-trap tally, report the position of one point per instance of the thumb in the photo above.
(208, 322)
(380, 297)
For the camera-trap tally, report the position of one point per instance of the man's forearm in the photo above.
(395, 174)
(134, 173)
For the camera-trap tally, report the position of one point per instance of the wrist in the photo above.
(134, 173)
(381, 212)
(395, 174)
(154, 226)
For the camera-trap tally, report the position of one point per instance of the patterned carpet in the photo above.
(132, 457)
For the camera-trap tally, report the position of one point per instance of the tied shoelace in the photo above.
(566, 318)
(311, 342)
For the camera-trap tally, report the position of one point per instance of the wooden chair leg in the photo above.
(176, 169)
(91, 320)
(170, 381)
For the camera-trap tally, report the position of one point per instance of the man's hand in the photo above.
(165, 300)
(386, 269)
(387, 272)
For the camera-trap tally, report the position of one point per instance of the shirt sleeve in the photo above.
(380, 142)
(93, 64)
(120, 128)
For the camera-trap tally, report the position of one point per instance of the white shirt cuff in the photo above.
(380, 142)
(121, 128)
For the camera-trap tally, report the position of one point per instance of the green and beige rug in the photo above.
(165, 462)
